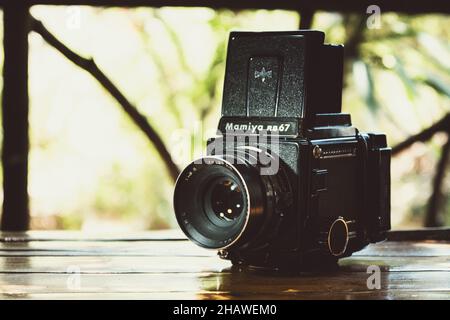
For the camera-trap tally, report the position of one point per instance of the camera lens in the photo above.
(220, 202)
(226, 199)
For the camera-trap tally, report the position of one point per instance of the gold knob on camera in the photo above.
(335, 236)
(317, 152)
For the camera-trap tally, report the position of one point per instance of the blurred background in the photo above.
(92, 169)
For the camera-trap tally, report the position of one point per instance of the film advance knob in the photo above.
(336, 238)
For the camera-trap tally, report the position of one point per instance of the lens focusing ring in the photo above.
(198, 219)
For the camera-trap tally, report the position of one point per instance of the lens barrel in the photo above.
(222, 201)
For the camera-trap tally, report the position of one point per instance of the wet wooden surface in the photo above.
(161, 265)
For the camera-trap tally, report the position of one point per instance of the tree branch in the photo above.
(90, 66)
(442, 125)
(433, 219)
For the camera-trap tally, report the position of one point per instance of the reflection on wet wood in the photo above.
(151, 266)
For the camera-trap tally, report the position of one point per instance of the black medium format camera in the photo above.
(288, 182)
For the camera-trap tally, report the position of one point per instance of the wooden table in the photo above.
(162, 265)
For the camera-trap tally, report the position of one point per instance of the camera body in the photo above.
(288, 182)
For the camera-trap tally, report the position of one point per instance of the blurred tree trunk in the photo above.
(436, 203)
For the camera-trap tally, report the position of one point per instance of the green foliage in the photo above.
(404, 80)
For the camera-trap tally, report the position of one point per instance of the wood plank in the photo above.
(169, 234)
(423, 234)
(379, 295)
(435, 233)
(109, 248)
(186, 248)
(108, 265)
(406, 249)
(212, 264)
(148, 266)
(228, 285)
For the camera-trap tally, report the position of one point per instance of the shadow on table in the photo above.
(337, 283)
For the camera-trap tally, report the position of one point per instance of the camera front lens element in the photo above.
(227, 199)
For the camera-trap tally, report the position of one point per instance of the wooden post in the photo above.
(306, 18)
(15, 117)
(434, 218)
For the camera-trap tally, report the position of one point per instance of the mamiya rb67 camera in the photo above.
(288, 182)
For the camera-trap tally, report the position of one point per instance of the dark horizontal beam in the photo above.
(403, 6)
(437, 234)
